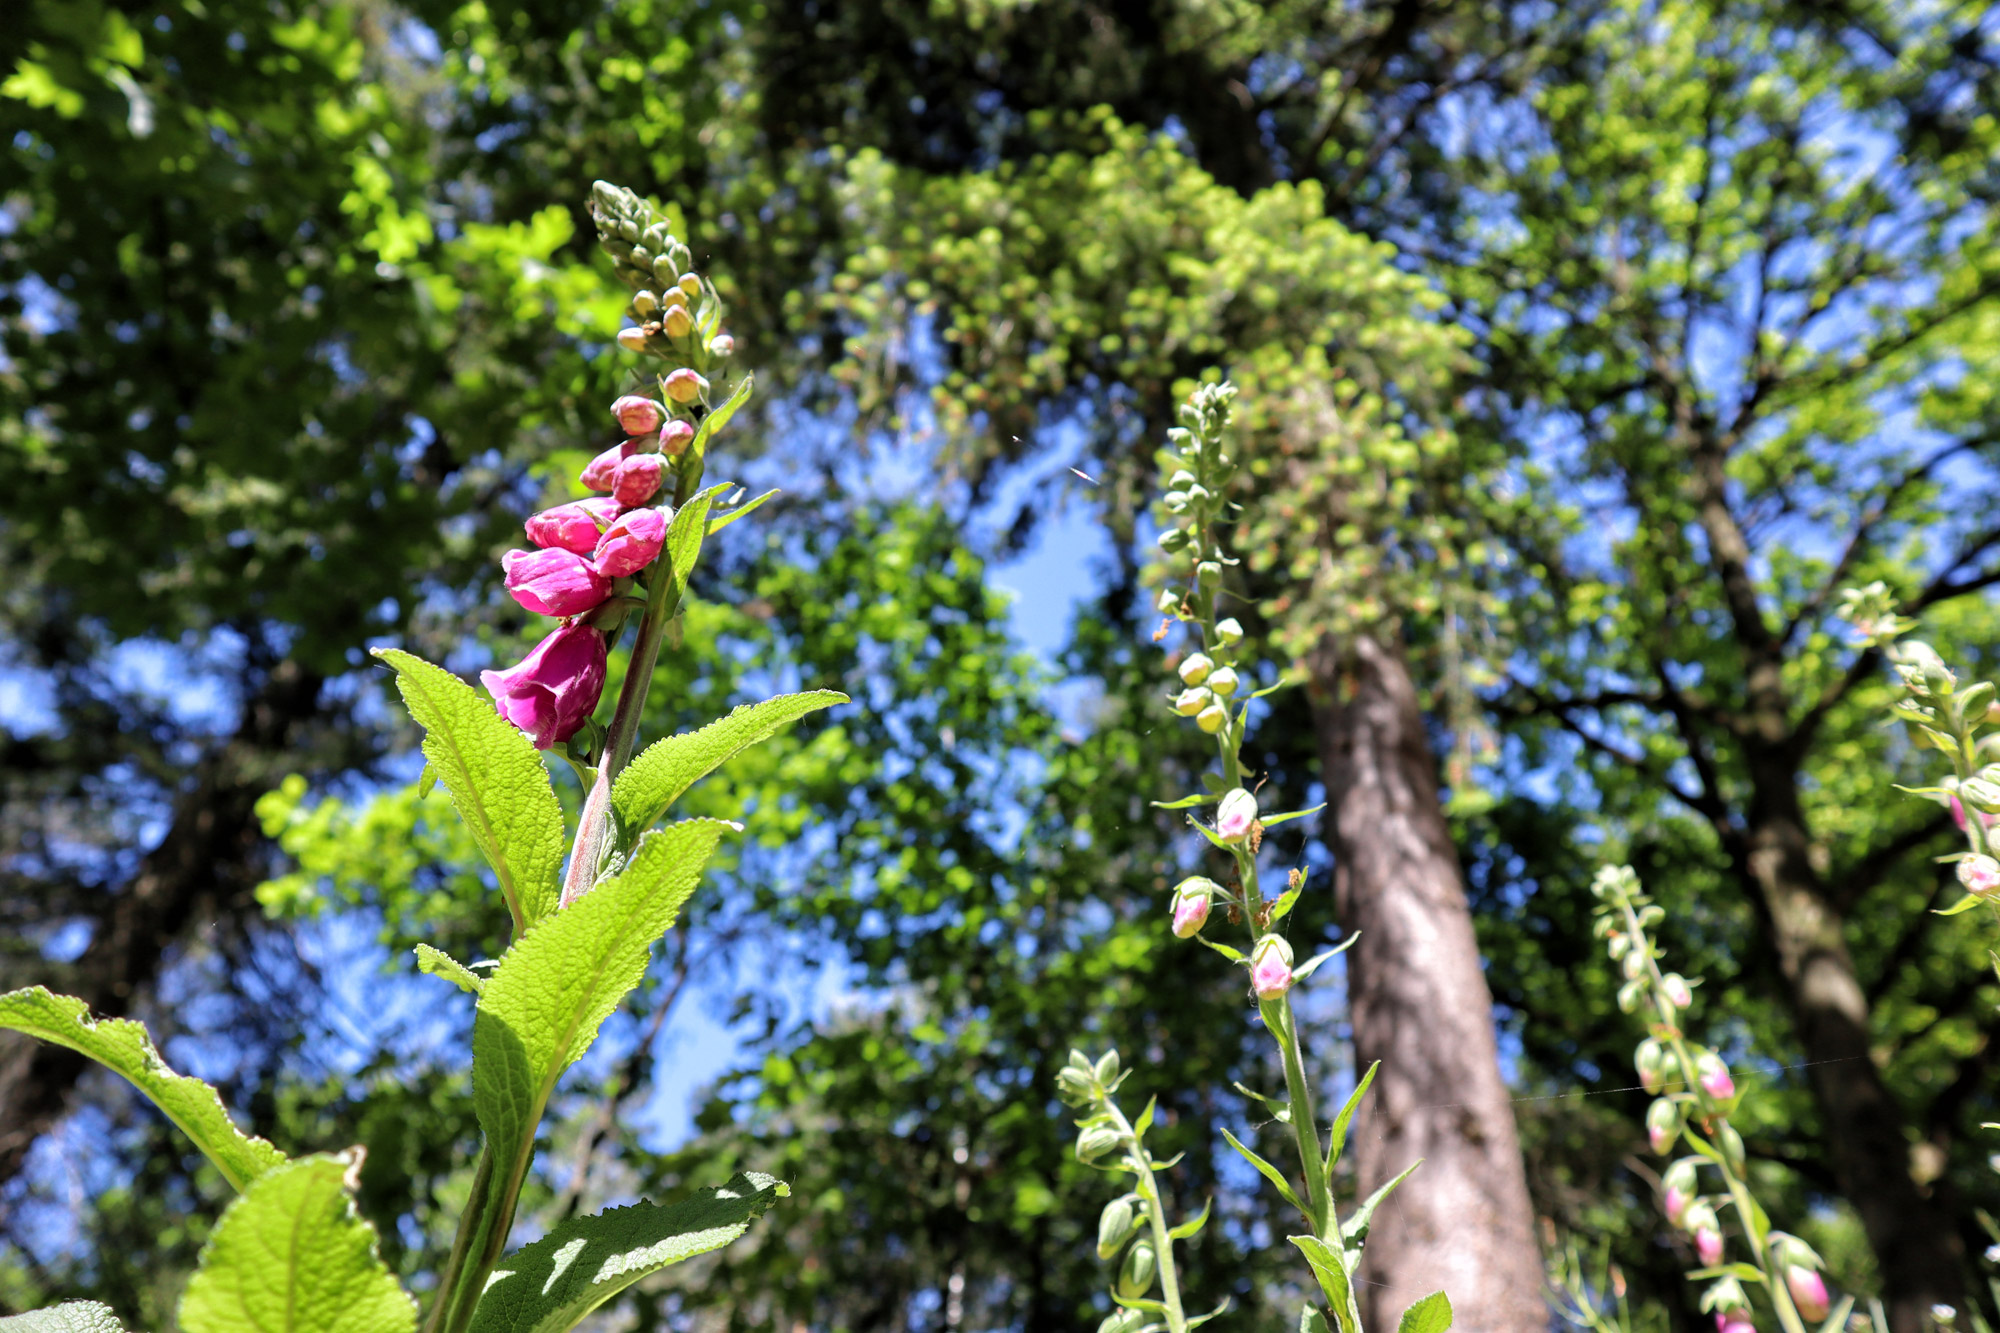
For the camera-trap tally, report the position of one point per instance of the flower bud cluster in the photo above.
(1196, 468)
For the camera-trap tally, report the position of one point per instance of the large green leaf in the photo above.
(1331, 1269)
(292, 1256)
(683, 545)
(496, 779)
(73, 1317)
(1428, 1314)
(550, 1286)
(122, 1046)
(541, 1008)
(666, 768)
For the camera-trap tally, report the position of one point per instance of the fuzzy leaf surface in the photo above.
(70, 1317)
(1427, 1314)
(550, 1286)
(122, 1046)
(666, 768)
(292, 1256)
(496, 779)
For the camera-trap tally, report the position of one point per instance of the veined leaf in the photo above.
(1331, 1270)
(69, 1317)
(663, 770)
(438, 963)
(496, 779)
(541, 1008)
(292, 1256)
(1337, 1137)
(1354, 1231)
(122, 1046)
(1428, 1314)
(550, 1286)
(719, 418)
(682, 547)
(1269, 1172)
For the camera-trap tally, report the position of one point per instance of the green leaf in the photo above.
(1145, 1120)
(666, 768)
(438, 963)
(1430, 1314)
(1286, 901)
(123, 1047)
(1269, 1172)
(682, 547)
(550, 1286)
(1193, 1226)
(1312, 1321)
(1311, 965)
(719, 418)
(1331, 1270)
(1187, 802)
(1354, 1231)
(541, 1008)
(70, 1317)
(717, 524)
(496, 779)
(292, 1256)
(1965, 904)
(1336, 1138)
(1268, 820)
(1743, 1271)
(1232, 955)
(1198, 1320)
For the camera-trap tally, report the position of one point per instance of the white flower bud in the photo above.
(1223, 681)
(1228, 633)
(1195, 669)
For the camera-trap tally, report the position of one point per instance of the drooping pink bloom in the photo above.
(1708, 1244)
(630, 544)
(636, 414)
(637, 479)
(1235, 816)
(1980, 875)
(554, 582)
(572, 527)
(553, 691)
(675, 437)
(1808, 1290)
(1192, 901)
(599, 471)
(1271, 967)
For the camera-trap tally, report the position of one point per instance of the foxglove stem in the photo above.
(1156, 1216)
(451, 1284)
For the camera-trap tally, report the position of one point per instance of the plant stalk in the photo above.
(1156, 1216)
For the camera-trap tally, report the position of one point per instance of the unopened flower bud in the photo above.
(644, 304)
(1808, 1290)
(691, 285)
(1228, 632)
(1190, 702)
(1676, 990)
(631, 543)
(1168, 603)
(1106, 1068)
(636, 414)
(685, 386)
(1235, 816)
(1192, 900)
(552, 692)
(1679, 1187)
(1223, 681)
(1181, 480)
(1730, 1144)
(677, 321)
(1698, 1216)
(1195, 669)
(1208, 573)
(1652, 1065)
(573, 527)
(637, 479)
(1212, 719)
(1981, 793)
(1713, 1076)
(632, 340)
(1094, 1142)
(554, 582)
(721, 344)
(1980, 875)
(1135, 1275)
(1663, 1125)
(1114, 1227)
(1122, 1321)
(663, 269)
(1735, 1319)
(1074, 1086)
(675, 437)
(1708, 1245)
(599, 471)
(1173, 539)
(1271, 967)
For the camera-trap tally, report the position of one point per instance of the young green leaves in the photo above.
(656, 778)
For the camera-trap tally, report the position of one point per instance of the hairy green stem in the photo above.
(451, 1281)
(1156, 1214)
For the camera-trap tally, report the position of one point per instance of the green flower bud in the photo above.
(1094, 1142)
(1731, 1144)
(1181, 480)
(1107, 1068)
(664, 271)
(1175, 501)
(1122, 1321)
(1173, 539)
(1208, 573)
(1197, 493)
(691, 285)
(654, 237)
(1228, 633)
(1114, 1227)
(1223, 681)
(1075, 1087)
(632, 340)
(1212, 719)
(644, 304)
(1189, 703)
(1169, 602)
(1141, 1266)
(1194, 670)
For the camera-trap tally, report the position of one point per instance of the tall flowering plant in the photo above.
(1134, 1231)
(586, 905)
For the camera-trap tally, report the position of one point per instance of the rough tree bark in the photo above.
(205, 863)
(1419, 1003)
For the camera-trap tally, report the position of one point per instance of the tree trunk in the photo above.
(1916, 1247)
(1420, 1005)
(206, 861)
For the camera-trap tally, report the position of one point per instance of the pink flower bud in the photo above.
(1663, 1125)
(599, 471)
(1708, 1245)
(685, 386)
(637, 479)
(1808, 1292)
(677, 321)
(1235, 816)
(1714, 1077)
(1957, 813)
(1271, 967)
(1680, 1185)
(573, 527)
(630, 544)
(1652, 1064)
(551, 694)
(1674, 986)
(1734, 1321)
(632, 340)
(722, 344)
(636, 414)
(554, 582)
(675, 437)
(1192, 899)
(1980, 875)
(1676, 1204)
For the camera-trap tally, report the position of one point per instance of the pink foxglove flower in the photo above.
(554, 582)
(572, 527)
(1980, 875)
(1235, 816)
(1271, 968)
(1714, 1077)
(675, 437)
(599, 471)
(552, 693)
(630, 544)
(1808, 1290)
(637, 415)
(1192, 901)
(637, 479)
